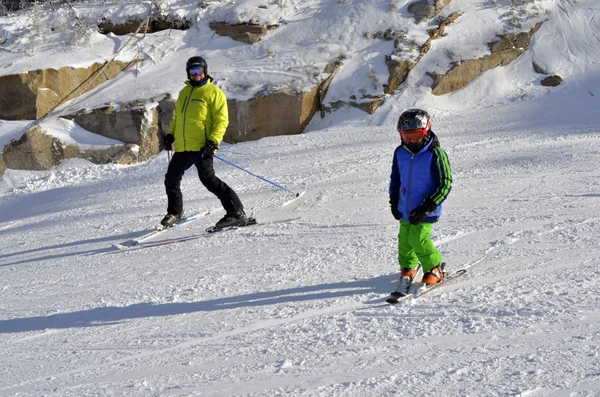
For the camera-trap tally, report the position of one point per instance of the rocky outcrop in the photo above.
(248, 33)
(552, 81)
(504, 51)
(2, 164)
(280, 113)
(370, 105)
(398, 72)
(438, 32)
(134, 124)
(399, 69)
(422, 11)
(154, 24)
(36, 150)
(538, 69)
(31, 95)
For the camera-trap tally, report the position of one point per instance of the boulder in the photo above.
(369, 106)
(36, 150)
(552, 81)
(398, 72)
(248, 33)
(130, 123)
(422, 11)
(31, 95)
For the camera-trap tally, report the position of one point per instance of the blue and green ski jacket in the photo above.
(416, 176)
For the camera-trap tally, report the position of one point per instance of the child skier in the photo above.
(420, 181)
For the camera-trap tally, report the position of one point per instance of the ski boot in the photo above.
(407, 275)
(435, 275)
(171, 220)
(236, 218)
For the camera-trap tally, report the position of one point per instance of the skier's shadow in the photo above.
(113, 315)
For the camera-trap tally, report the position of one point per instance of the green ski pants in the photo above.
(415, 246)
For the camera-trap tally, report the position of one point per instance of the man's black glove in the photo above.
(208, 150)
(419, 214)
(394, 205)
(168, 141)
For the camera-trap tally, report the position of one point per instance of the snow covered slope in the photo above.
(296, 307)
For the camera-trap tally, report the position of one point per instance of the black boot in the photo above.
(171, 220)
(236, 218)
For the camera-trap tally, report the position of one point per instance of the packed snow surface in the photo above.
(296, 304)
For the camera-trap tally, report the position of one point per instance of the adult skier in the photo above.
(420, 181)
(199, 122)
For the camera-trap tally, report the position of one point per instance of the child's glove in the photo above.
(394, 206)
(419, 214)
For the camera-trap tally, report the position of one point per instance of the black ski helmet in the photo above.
(196, 61)
(413, 125)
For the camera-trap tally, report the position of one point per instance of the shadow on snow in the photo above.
(114, 315)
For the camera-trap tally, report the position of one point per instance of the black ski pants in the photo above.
(181, 162)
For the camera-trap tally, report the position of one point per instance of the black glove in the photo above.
(167, 141)
(419, 214)
(208, 151)
(394, 205)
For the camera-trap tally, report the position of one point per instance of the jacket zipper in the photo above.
(410, 169)
(184, 110)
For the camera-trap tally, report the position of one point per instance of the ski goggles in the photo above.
(196, 70)
(413, 136)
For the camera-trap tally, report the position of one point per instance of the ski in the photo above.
(448, 277)
(209, 232)
(158, 230)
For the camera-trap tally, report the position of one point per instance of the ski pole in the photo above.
(258, 176)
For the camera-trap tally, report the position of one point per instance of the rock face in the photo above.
(281, 113)
(504, 51)
(248, 33)
(31, 95)
(422, 11)
(136, 125)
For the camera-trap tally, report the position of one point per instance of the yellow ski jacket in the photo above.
(200, 115)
